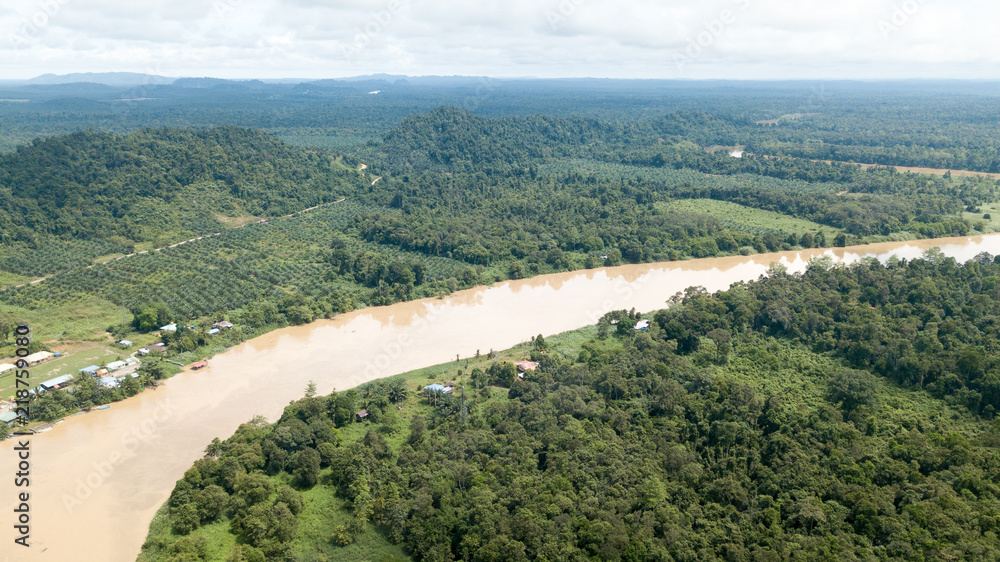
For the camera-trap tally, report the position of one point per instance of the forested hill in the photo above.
(450, 138)
(847, 413)
(453, 139)
(134, 188)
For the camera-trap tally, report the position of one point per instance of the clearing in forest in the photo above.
(749, 218)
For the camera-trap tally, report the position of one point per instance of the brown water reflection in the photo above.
(97, 479)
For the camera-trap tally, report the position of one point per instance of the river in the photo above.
(97, 479)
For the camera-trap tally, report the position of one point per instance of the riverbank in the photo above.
(100, 479)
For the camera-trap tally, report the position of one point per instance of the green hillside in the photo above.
(827, 416)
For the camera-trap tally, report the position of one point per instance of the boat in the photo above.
(102, 407)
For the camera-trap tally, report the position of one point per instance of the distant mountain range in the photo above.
(108, 78)
(131, 79)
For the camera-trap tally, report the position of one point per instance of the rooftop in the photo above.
(56, 381)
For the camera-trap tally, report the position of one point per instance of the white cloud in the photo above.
(614, 38)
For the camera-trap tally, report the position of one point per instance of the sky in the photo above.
(666, 39)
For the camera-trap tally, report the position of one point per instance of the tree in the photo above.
(8, 322)
(397, 390)
(852, 389)
(310, 389)
(214, 449)
(305, 466)
(285, 525)
(184, 519)
(290, 498)
(245, 553)
(211, 501)
(722, 339)
(539, 343)
(417, 430)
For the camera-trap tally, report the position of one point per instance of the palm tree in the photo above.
(397, 390)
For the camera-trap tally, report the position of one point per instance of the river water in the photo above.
(97, 479)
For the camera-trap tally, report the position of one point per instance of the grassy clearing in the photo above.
(8, 279)
(70, 361)
(81, 319)
(991, 224)
(748, 218)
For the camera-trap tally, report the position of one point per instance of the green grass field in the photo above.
(748, 218)
(993, 223)
(76, 358)
(79, 319)
(8, 279)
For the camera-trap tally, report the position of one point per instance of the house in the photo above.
(6, 367)
(262, 221)
(109, 382)
(223, 324)
(101, 372)
(439, 388)
(362, 415)
(642, 325)
(172, 327)
(198, 365)
(115, 365)
(124, 343)
(213, 331)
(524, 366)
(55, 383)
(36, 358)
(155, 348)
(89, 370)
(8, 418)
(131, 361)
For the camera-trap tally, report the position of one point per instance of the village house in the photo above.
(155, 348)
(36, 358)
(439, 388)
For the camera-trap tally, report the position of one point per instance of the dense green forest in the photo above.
(449, 199)
(912, 123)
(843, 413)
(504, 183)
(146, 185)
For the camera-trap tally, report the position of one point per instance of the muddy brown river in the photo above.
(97, 479)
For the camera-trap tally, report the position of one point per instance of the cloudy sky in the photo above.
(742, 39)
